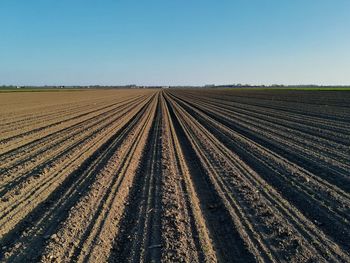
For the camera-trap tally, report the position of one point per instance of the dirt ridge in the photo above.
(175, 175)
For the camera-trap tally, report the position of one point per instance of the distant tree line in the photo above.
(208, 86)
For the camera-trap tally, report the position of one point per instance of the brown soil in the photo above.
(175, 176)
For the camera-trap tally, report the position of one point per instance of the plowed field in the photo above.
(175, 176)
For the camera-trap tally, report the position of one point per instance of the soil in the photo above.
(175, 176)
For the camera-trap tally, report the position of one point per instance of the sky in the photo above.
(174, 42)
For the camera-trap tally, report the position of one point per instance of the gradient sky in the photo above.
(174, 42)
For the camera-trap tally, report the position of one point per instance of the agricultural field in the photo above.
(175, 176)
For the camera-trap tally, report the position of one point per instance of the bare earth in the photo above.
(175, 176)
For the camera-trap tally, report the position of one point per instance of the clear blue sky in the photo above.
(65, 42)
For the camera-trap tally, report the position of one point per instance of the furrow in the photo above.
(331, 247)
(47, 215)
